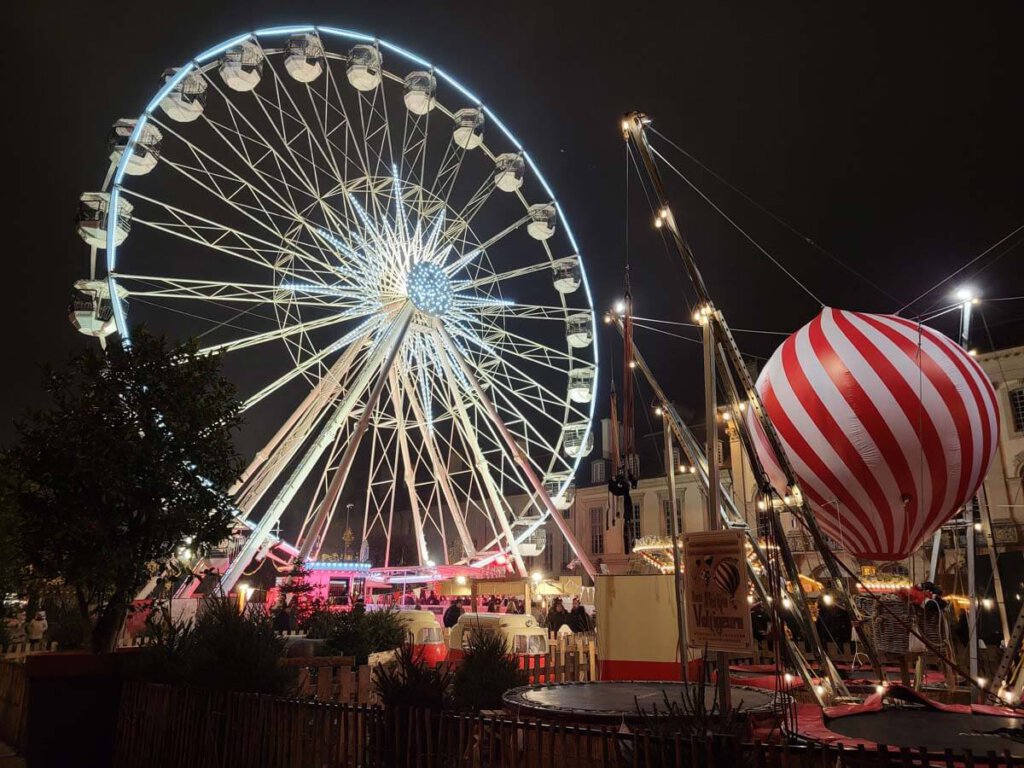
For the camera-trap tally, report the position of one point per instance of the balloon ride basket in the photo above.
(620, 702)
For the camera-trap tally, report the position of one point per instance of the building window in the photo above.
(666, 511)
(634, 524)
(1017, 408)
(567, 513)
(566, 554)
(596, 530)
(598, 471)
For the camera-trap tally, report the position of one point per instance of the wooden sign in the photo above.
(717, 611)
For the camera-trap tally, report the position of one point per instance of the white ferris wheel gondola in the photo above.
(185, 100)
(566, 278)
(317, 229)
(242, 66)
(305, 58)
(419, 92)
(508, 171)
(145, 150)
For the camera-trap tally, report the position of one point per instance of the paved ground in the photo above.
(9, 759)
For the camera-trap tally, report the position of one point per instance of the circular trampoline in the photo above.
(902, 717)
(617, 701)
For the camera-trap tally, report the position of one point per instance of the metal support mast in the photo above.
(730, 363)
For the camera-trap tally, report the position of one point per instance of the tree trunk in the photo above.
(109, 623)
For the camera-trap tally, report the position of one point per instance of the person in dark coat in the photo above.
(557, 616)
(578, 619)
(452, 613)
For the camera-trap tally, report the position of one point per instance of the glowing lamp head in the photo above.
(429, 289)
(460, 580)
(536, 576)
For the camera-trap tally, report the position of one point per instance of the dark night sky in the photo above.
(889, 133)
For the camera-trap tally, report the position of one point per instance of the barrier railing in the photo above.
(166, 726)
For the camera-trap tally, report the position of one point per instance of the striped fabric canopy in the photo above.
(889, 425)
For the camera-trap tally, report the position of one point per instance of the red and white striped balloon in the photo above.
(889, 425)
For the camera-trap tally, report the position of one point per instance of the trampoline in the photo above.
(903, 717)
(616, 701)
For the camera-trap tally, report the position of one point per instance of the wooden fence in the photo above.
(336, 678)
(13, 704)
(164, 726)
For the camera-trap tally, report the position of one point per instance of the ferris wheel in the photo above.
(389, 278)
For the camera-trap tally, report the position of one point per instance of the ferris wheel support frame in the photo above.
(517, 455)
(327, 434)
(479, 460)
(392, 343)
(409, 472)
(440, 471)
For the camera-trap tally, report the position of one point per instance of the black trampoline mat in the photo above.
(936, 731)
(617, 699)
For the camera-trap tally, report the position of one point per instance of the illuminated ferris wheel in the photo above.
(389, 277)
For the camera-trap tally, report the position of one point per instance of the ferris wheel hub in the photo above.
(430, 289)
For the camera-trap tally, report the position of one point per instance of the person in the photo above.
(283, 620)
(578, 619)
(433, 599)
(36, 629)
(557, 616)
(451, 615)
(492, 604)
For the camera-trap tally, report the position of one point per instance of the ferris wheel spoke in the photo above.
(509, 275)
(356, 336)
(467, 258)
(480, 461)
(428, 438)
(266, 193)
(164, 287)
(230, 240)
(276, 334)
(415, 136)
(409, 469)
(256, 137)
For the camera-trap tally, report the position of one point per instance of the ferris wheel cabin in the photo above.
(578, 331)
(93, 217)
(242, 67)
(553, 485)
(364, 67)
(145, 151)
(186, 101)
(469, 128)
(91, 311)
(508, 171)
(305, 58)
(567, 277)
(581, 384)
(419, 92)
(578, 439)
(543, 217)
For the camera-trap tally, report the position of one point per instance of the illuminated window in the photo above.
(598, 471)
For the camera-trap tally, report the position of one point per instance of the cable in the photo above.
(737, 227)
(965, 266)
(774, 217)
(694, 325)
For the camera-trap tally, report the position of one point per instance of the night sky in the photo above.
(887, 133)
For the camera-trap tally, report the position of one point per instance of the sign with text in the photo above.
(717, 611)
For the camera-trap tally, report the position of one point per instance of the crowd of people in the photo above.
(20, 629)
